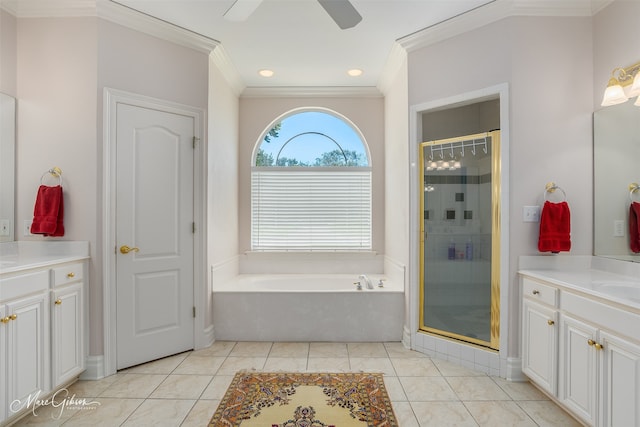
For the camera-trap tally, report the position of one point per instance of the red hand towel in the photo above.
(48, 212)
(555, 228)
(634, 227)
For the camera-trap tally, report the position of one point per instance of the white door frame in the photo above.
(203, 333)
(415, 132)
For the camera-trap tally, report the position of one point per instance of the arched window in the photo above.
(311, 186)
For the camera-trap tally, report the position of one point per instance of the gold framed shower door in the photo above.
(494, 341)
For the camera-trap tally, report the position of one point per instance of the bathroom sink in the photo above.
(627, 290)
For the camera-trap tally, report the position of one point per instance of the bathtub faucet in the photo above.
(366, 280)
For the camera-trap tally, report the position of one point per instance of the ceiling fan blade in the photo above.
(240, 10)
(342, 11)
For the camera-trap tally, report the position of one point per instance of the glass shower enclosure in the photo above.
(460, 237)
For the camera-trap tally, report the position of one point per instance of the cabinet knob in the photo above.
(4, 320)
(58, 301)
(536, 292)
(591, 342)
(599, 346)
(71, 275)
(550, 322)
(13, 316)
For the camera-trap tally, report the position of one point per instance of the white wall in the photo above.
(396, 183)
(222, 195)
(7, 53)
(549, 74)
(257, 115)
(63, 64)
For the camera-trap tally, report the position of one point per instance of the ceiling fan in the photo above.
(341, 11)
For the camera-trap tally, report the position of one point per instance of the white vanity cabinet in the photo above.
(67, 323)
(600, 362)
(540, 334)
(584, 350)
(25, 338)
(42, 343)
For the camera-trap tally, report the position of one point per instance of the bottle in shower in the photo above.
(451, 253)
(468, 250)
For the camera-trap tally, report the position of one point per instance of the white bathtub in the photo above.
(298, 307)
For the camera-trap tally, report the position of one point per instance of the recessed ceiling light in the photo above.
(266, 73)
(355, 72)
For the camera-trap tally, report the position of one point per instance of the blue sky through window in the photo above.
(307, 135)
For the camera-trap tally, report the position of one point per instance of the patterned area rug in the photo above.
(305, 400)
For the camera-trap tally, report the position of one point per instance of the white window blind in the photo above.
(311, 209)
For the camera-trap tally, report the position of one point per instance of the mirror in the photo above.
(7, 166)
(616, 155)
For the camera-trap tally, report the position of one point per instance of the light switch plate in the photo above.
(5, 227)
(618, 228)
(531, 214)
(27, 227)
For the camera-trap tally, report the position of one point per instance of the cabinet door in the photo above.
(27, 350)
(3, 363)
(67, 332)
(578, 371)
(539, 345)
(620, 382)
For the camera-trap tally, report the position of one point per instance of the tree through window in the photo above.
(311, 186)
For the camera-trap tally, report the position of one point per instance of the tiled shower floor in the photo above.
(185, 389)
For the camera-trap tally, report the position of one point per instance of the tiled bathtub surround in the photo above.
(185, 389)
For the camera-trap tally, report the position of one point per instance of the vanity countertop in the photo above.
(619, 283)
(25, 255)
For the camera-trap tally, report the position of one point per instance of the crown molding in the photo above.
(397, 57)
(131, 18)
(311, 91)
(114, 12)
(49, 8)
(495, 11)
(222, 61)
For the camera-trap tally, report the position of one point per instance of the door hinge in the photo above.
(195, 141)
(194, 311)
(193, 228)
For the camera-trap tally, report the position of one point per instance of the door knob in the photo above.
(126, 249)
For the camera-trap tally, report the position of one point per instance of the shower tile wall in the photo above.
(459, 281)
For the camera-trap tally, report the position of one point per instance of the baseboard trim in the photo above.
(94, 368)
(406, 337)
(514, 370)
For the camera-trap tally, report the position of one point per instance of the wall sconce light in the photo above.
(623, 85)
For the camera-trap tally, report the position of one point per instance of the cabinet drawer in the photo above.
(24, 284)
(68, 274)
(538, 291)
(602, 314)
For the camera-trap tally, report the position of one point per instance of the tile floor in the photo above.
(185, 389)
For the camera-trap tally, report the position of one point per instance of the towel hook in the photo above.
(550, 188)
(633, 188)
(55, 171)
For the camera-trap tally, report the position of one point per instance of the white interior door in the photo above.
(154, 234)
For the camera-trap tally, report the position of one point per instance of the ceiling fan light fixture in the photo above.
(342, 12)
